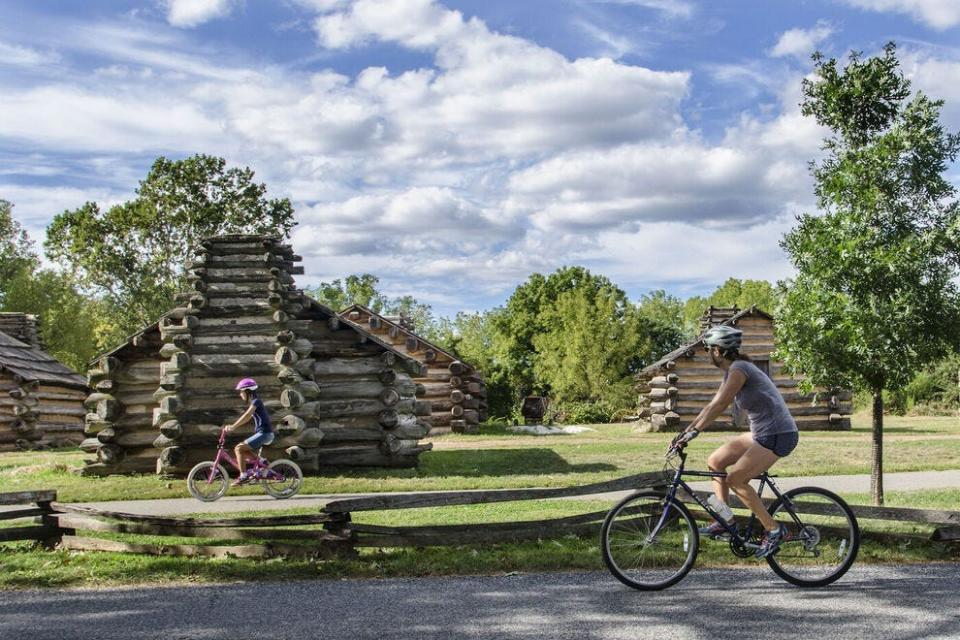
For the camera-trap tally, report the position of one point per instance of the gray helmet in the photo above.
(723, 336)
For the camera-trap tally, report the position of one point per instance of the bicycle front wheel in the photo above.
(823, 537)
(648, 541)
(283, 479)
(207, 482)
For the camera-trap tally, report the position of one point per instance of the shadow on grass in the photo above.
(476, 463)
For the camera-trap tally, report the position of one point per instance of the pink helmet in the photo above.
(247, 383)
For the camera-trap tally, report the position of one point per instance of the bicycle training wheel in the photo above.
(283, 479)
(207, 482)
(649, 542)
(823, 546)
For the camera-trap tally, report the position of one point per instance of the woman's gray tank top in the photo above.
(762, 401)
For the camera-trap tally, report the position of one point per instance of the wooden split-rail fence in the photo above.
(332, 533)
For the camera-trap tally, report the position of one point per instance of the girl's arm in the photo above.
(725, 394)
(243, 419)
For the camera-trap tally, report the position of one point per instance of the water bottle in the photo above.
(722, 509)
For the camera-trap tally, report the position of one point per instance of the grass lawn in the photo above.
(500, 459)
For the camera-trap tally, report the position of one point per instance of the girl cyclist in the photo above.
(773, 432)
(262, 429)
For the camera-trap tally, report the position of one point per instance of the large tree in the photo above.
(16, 248)
(133, 253)
(875, 297)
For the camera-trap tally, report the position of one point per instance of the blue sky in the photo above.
(453, 148)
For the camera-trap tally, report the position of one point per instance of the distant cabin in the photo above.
(41, 399)
(455, 389)
(338, 395)
(676, 387)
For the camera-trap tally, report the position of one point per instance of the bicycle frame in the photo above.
(222, 455)
(678, 483)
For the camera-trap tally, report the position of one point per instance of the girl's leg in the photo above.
(242, 451)
(725, 457)
(752, 463)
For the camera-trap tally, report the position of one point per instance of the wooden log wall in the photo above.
(119, 424)
(18, 415)
(24, 327)
(674, 395)
(455, 390)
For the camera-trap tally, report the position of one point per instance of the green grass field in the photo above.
(499, 459)
(495, 459)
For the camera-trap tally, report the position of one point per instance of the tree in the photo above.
(742, 294)
(590, 347)
(664, 324)
(134, 253)
(354, 289)
(16, 248)
(875, 296)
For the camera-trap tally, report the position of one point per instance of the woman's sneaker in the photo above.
(716, 531)
(771, 542)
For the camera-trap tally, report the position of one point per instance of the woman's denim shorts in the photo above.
(780, 443)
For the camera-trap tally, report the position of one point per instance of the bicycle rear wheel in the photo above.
(648, 541)
(823, 546)
(207, 482)
(283, 479)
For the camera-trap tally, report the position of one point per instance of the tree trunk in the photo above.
(876, 475)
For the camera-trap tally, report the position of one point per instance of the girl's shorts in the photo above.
(780, 443)
(259, 439)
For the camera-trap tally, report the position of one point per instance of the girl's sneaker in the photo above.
(243, 478)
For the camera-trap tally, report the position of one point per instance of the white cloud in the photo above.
(191, 13)
(939, 14)
(800, 43)
(674, 8)
(20, 56)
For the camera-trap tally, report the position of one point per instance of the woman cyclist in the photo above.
(773, 432)
(262, 429)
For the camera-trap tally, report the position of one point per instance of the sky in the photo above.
(453, 148)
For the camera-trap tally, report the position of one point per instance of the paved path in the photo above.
(870, 602)
(840, 484)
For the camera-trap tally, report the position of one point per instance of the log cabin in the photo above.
(337, 394)
(41, 399)
(455, 389)
(676, 387)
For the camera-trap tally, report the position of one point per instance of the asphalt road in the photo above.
(875, 603)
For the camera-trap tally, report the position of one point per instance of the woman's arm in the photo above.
(725, 394)
(244, 418)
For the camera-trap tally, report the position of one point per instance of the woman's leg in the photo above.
(725, 457)
(755, 460)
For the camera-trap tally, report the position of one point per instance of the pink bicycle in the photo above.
(208, 481)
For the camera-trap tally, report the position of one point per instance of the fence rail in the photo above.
(331, 532)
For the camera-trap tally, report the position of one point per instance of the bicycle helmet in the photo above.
(247, 383)
(723, 336)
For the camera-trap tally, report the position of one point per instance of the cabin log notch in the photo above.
(673, 390)
(455, 390)
(41, 399)
(337, 395)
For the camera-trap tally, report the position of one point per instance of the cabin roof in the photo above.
(407, 332)
(34, 364)
(679, 351)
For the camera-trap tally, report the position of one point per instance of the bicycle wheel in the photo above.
(649, 542)
(823, 545)
(283, 479)
(207, 482)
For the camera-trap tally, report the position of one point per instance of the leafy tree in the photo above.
(590, 347)
(875, 297)
(16, 248)
(732, 293)
(134, 253)
(74, 327)
(663, 323)
(527, 314)
(354, 289)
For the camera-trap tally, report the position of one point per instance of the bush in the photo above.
(582, 413)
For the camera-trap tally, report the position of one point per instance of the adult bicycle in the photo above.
(649, 540)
